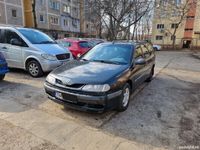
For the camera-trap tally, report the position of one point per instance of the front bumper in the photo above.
(83, 101)
(50, 65)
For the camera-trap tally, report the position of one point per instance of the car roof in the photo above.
(15, 28)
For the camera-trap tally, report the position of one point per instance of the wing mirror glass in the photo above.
(140, 61)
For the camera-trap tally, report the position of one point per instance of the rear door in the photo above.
(14, 56)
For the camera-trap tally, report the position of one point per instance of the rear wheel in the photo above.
(125, 98)
(150, 75)
(2, 77)
(34, 68)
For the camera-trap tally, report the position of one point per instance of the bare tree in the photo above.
(34, 13)
(120, 15)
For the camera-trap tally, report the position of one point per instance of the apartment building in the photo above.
(88, 19)
(60, 18)
(11, 12)
(166, 20)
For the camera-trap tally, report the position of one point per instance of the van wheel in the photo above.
(149, 79)
(125, 98)
(34, 69)
(2, 77)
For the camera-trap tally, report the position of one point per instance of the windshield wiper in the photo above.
(47, 42)
(107, 61)
(84, 59)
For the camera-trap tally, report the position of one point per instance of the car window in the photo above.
(149, 47)
(145, 51)
(9, 35)
(2, 38)
(84, 44)
(116, 53)
(36, 37)
(138, 52)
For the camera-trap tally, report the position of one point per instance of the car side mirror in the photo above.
(16, 42)
(140, 61)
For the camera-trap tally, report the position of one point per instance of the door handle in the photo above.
(4, 47)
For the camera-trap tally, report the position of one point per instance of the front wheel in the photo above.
(34, 69)
(125, 98)
(2, 77)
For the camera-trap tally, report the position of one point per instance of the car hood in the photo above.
(53, 49)
(85, 72)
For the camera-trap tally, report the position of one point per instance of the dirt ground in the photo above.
(163, 114)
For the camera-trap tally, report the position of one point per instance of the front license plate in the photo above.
(58, 95)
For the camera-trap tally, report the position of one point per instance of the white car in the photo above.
(157, 47)
(31, 50)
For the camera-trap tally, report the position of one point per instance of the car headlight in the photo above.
(51, 79)
(49, 57)
(96, 88)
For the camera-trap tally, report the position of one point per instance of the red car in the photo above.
(76, 46)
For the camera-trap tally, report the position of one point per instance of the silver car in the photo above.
(31, 50)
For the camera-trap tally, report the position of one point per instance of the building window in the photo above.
(66, 9)
(75, 12)
(173, 37)
(14, 13)
(41, 18)
(54, 5)
(159, 37)
(178, 2)
(74, 23)
(42, 2)
(160, 26)
(65, 22)
(190, 17)
(54, 20)
(174, 25)
(187, 29)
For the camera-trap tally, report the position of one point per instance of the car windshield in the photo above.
(84, 44)
(110, 53)
(36, 37)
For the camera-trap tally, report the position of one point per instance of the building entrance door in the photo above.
(186, 43)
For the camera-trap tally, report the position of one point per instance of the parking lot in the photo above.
(163, 114)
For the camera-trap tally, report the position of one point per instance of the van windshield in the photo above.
(36, 37)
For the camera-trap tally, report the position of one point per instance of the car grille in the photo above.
(63, 56)
(76, 86)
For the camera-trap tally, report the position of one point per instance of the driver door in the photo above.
(138, 71)
(14, 56)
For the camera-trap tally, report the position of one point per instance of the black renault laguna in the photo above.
(103, 78)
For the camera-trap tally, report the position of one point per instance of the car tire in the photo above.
(124, 98)
(2, 77)
(149, 79)
(34, 68)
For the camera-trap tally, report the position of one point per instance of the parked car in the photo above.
(3, 67)
(31, 50)
(94, 42)
(76, 46)
(103, 78)
(157, 47)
